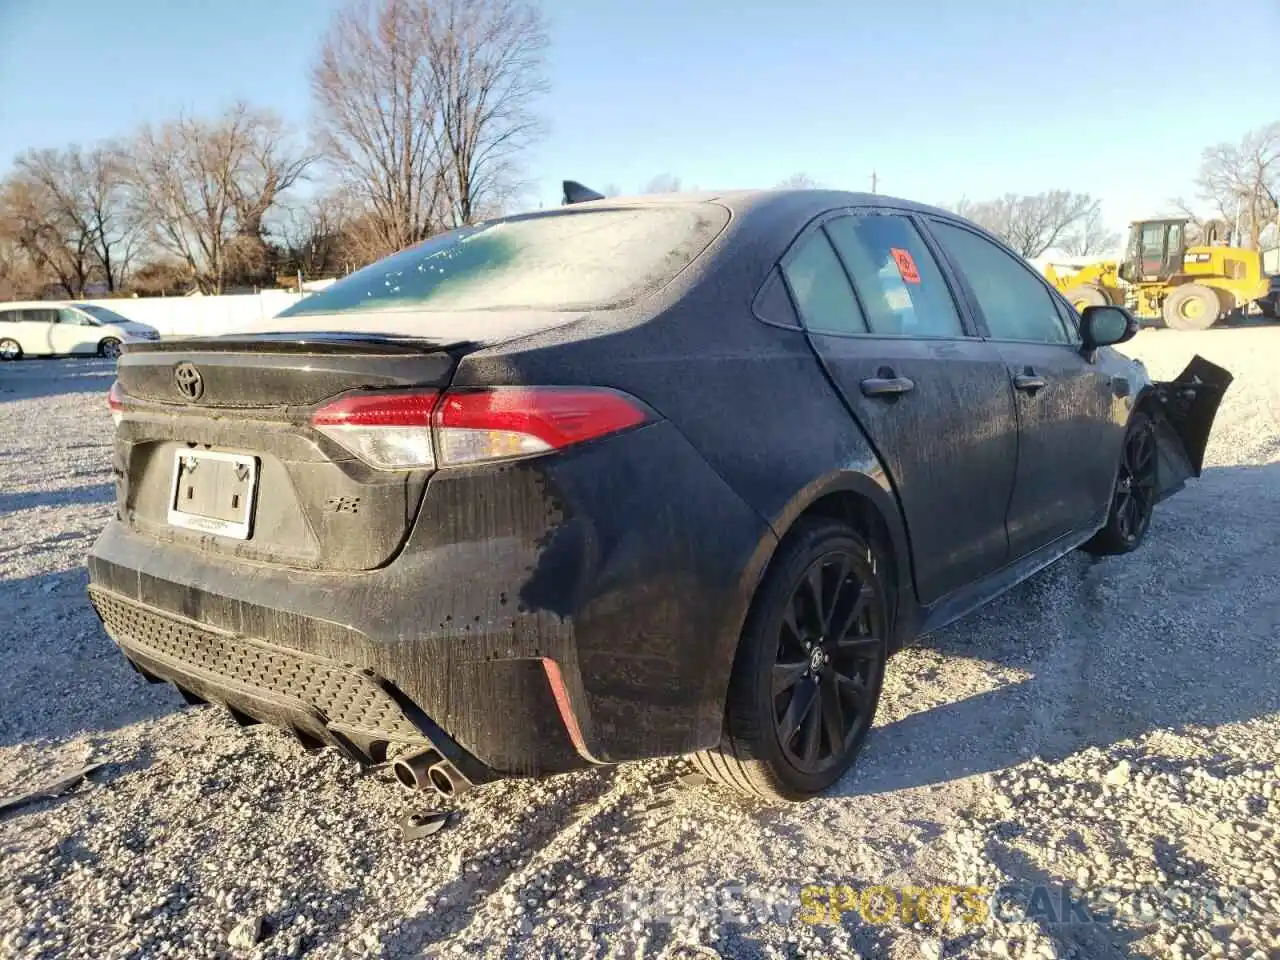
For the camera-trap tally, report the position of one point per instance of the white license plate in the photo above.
(213, 492)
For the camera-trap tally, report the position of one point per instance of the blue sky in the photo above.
(941, 99)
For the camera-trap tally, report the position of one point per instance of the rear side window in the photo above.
(40, 316)
(772, 303)
(9, 316)
(900, 285)
(1015, 304)
(820, 287)
(571, 260)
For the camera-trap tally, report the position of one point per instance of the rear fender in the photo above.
(1184, 410)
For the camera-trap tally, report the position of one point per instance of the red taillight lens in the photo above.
(115, 402)
(496, 423)
(390, 431)
(404, 430)
(378, 410)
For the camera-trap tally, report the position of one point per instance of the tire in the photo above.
(1134, 495)
(1227, 302)
(1192, 307)
(775, 675)
(1087, 295)
(10, 349)
(109, 348)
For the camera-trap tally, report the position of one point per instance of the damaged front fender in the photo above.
(1183, 412)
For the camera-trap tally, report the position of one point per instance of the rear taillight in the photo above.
(424, 429)
(473, 426)
(388, 430)
(115, 402)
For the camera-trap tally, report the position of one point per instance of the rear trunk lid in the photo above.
(216, 449)
(217, 445)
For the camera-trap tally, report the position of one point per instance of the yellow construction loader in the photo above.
(1162, 278)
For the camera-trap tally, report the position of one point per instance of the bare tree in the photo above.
(205, 187)
(662, 183)
(86, 196)
(318, 236)
(117, 230)
(486, 62)
(1240, 182)
(54, 248)
(20, 278)
(376, 116)
(1198, 221)
(798, 181)
(1091, 235)
(160, 278)
(1030, 223)
(423, 107)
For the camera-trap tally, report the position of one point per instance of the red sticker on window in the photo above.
(906, 265)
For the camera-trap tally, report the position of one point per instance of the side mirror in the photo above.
(1102, 326)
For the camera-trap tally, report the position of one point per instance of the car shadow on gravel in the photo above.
(32, 379)
(507, 859)
(62, 675)
(1183, 632)
(64, 497)
(1046, 899)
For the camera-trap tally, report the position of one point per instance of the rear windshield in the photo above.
(571, 260)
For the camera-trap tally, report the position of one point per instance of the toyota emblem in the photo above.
(189, 381)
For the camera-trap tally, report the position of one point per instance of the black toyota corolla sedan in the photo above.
(625, 479)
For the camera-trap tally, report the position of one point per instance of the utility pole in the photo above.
(873, 181)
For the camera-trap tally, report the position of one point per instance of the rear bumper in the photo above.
(323, 702)
(541, 616)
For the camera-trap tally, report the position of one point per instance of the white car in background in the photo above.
(49, 328)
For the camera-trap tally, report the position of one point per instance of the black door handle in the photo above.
(1029, 381)
(889, 386)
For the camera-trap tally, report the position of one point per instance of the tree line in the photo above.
(1235, 188)
(422, 112)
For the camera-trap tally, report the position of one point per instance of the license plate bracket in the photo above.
(213, 492)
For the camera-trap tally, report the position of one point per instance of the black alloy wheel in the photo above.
(809, 667)
(1136, 484)
(828, 662)
(1134, 498)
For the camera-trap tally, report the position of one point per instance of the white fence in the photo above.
(202, 316)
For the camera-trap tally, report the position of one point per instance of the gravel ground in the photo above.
(1105, 734)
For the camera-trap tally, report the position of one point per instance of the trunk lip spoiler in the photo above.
(301, 342)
